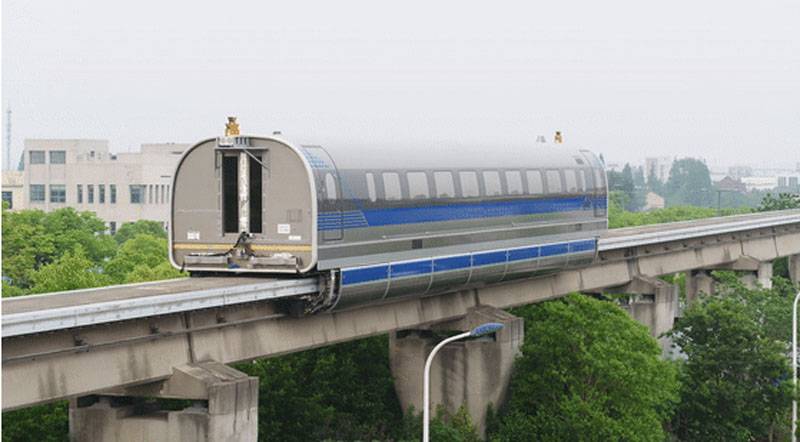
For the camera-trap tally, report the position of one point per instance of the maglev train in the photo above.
(375, 223)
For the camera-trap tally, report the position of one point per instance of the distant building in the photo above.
(737, 172)
(760, 182)
(659, 167)
(13, 193)
(83, 174)
(653, 201)
(730, 184)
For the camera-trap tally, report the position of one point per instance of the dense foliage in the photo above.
(736, 382)
(587, 372)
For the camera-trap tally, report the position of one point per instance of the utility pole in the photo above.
(8, 140)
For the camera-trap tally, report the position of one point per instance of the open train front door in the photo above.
(329, 193)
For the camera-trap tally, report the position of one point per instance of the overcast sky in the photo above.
(718, 79)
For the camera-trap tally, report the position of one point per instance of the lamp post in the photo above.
(481, 330)
(794, 367)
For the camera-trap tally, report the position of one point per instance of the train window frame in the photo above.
(417, 182)
(534, 172)
(395, 191)
(475, 190)
(495, 187)
(583, 184)
(447, 179)
(550, 183)
(599, 178)
(372, 191)
(331, 192)
(517, 183)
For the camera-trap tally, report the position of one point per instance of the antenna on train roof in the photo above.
(559, 138)
(541, 139)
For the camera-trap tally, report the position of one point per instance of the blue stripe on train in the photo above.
(426, 266)
(452, 212)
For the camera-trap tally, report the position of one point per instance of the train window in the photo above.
(256, 196)
(569, 176)
(417, 185)
(553, 181)
(330, 187)
(534, 178)
(469, 184)
(391, 186)
(491, 179)
(514, 182)
(582, 180)
(598, 179)
(371, 187)
(444, 184)
(230, 193)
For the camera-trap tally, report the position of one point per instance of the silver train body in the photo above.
(379, 223)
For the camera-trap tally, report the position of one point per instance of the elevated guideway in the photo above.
(76, 343)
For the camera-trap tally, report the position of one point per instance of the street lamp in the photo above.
(794, 367)
(481, 330)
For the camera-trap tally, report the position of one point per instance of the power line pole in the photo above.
(8, 139)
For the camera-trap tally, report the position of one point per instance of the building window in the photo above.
(37, 157)
(150, 194)
(101, 193)
(112, 227)
(137, 193)
(444, 184)
(80, 193)
(37, 193)
(8, 198)
(58, 157)
(163, 200)
(90, 193)
(58, 193)
(417, 185)
(112, 193)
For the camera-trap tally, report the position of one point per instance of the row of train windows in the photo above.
(444, 185)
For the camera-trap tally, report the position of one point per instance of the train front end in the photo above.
(243, 204)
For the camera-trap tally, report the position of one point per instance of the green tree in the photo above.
(71, 271)
(32, 239)
(689, 183)
(41, 423)
(782, 202)
(147, 227)
(587, 372)
(141, 251)
(736, 379)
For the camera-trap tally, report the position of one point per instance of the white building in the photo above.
(658, 166)
(13, 193)
(83, 174)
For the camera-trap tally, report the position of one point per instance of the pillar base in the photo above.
(224, 407)
(472, 373)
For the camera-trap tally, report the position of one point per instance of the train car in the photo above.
(377, 223)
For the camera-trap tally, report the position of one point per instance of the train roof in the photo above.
(451, 156)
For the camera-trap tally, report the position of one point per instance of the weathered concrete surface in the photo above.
(228, 411)
(125, 362)
(473, 373)
(698, 282)
(794, 269)
(654, 304)
(764, 274)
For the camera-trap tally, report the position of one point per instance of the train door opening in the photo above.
(242, 199)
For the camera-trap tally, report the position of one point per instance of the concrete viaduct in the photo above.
(104, 348)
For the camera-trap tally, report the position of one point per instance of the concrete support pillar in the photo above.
(655, 304)
(224, 408)
(765, 274)
(698, 281)
(794, 269)
(473, 373)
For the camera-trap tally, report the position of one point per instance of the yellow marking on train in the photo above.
(255, 247)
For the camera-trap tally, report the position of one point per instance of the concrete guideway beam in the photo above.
(227, 409)
(473, 373)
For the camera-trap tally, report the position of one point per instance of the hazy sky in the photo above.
(713, 78)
